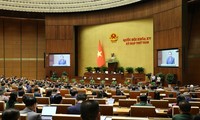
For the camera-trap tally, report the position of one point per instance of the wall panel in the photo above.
(21, 47)
(1, 47)
(28, 48)
(41, 49)
(12, 36)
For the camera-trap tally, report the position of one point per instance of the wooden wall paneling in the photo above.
(169, 37)
(41, 49)
(50, 32)
(12, 47)
(28, 48)
(1, 47)
(56, 46)
(168, 19)
(69, 32)
(12, 68)
(29, 69)
(61, 33)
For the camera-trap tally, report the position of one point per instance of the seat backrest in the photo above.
(69, 101)
(19, 99)
(91, 96)
(197, 93)
(99, 100)
(194, 110)
(127, 102)
(43, 100)
(63, 92)
(171, 100)
(19, 106)
(113, 92)
(171, 92)
(2, 106)
(195, 103)
(160, 103)
(152, 94)
(81, 91)
(68, 96)
(66, 117)
(106, 109)
(143, 111)
(29, 94)
(134, 94)
(61, 108)
(117, 97)
(23, 117)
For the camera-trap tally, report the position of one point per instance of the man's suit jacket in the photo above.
(170, 60)
(31, 114)
(74, 109)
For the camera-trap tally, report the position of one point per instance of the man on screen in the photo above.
(62, 61)
(170, 59)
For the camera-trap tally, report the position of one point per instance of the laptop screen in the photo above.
(48, 110)
(111, 101)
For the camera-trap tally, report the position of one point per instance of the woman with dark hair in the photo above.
(12, 100)
(49, 93)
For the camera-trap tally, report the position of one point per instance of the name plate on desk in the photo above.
(84, 78)
(98, 78)
(106, 78)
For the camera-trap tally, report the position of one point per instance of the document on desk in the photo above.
(106, 118)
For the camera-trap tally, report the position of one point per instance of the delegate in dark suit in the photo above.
(31, 114)
(30, 103)
(76, 108)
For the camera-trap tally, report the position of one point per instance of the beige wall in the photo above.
(138, 55)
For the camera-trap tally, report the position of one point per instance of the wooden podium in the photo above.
(112, 67)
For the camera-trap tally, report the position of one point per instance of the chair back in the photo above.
(2, 106)
(197, 93)
(81, 91)
(127, 102)
(66, 117)
(99, 100)
(117, 97)
(143, 111)
(63, 92)
(160, 103)
(106, 109)
(171, 92)
(19, 99)
(69, 101)
(195, 103)
(19, 106)
(43, 100)
(134, 94)
(68, 96)
(23, 117)
(171, 100)
(29, 94)
(152, 94)
(61, 108)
